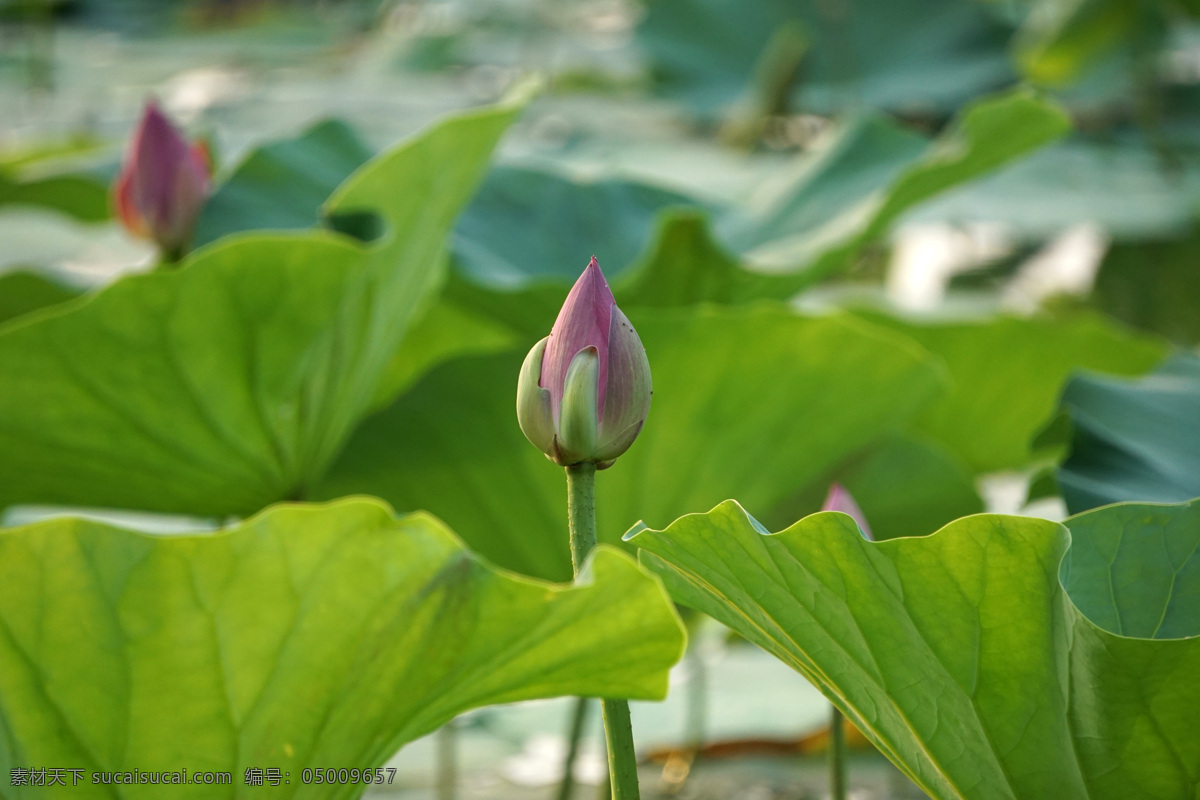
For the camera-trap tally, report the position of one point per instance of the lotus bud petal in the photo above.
(584, 391)
(839, 499)
(163, 184)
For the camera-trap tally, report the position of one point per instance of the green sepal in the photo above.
(534, 414)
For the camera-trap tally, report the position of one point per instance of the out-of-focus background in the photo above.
(743, 109)
(703, 97)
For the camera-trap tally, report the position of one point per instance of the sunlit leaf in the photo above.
(306, 637)
(961, 656)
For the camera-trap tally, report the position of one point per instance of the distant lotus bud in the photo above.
(163, 184)
(839, 499)
(584, 391)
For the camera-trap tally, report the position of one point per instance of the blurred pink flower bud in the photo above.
(839, 499)
(162, 185)
(584, 391)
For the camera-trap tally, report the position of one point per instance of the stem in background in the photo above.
(697, 700)
(447, 768)
(618, 731)
(604, 791)
(578, 721)
(837, 755)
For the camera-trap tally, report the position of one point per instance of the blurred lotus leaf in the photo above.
(911, 56)
(1133, 439)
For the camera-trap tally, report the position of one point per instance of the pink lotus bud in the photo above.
(584, 391)
(839, 499)
(163, 184)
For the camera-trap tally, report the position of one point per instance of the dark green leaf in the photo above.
(1153, 285)
(1133, 439)
(282, 185)
(911, 55)
(529, 226)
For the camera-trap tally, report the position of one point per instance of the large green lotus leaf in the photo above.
(911, 55)
(1007, 373)
(232, 382)
(961, 656)
(282, 185)
(1133, 439)
(754, 401)
(23, 291)
(308, 636)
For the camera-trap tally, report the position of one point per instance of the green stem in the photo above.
(581, 511)
(578, 720)
(618, 731)
(837, 756)
(697, 700)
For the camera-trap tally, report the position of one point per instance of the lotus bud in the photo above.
(584, 390)
(163, 184)
(839, 499)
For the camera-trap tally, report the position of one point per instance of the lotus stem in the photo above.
(447, 768)
(697, 701)
(618, 731)
(837, 755)
(581, 511)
